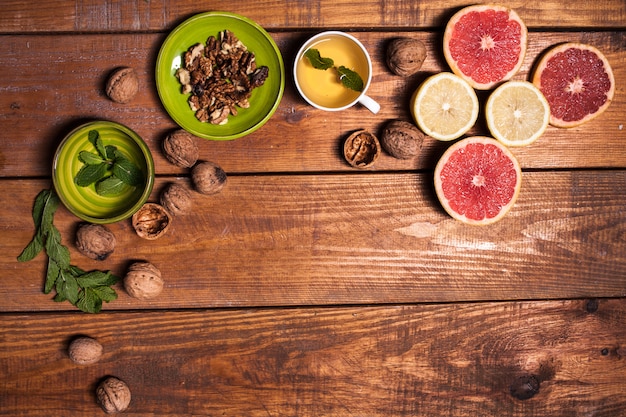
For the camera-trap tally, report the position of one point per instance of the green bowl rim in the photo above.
(261, 30)
(149, 180)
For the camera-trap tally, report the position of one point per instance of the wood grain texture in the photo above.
(350, 239)
(116, 16)
(42, 103)
(448, 360)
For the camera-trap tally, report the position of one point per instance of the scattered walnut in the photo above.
(113, 395)
(151, 221)
(208, 178)
(143, 280)
(95, 241)
(85, 350)
(122, 85)
(401, 139)
(361, 149)
(405, 56)
(176, 199)
(180, 148)
(220, 77)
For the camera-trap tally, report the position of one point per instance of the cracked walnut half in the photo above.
(220, 77)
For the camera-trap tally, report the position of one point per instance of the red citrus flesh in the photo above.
(485, 44)
(577, 81)
(477, 180)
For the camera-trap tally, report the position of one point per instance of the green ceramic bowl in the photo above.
(264, 100)
(84, 202)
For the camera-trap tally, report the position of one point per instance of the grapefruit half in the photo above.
(577, 81)
(485, 44)
(477, 180)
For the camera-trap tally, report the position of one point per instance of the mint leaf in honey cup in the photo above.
(263, 100)
(107, 199)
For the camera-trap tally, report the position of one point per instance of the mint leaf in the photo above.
(96, 279)
(105, 293)
(111, 151)
(89, 302)
(128, 172)
(94, 138)
(67, 287)
(314, 57)
(111, 186)
(350, 79)
(88, 174)
(90, 158)
(39, 206)
(56, 251)
(34, 247)
(51, 277)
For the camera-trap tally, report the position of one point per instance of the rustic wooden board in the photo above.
(438, 360)
(44, 102)
(109, 16)
(350, 239)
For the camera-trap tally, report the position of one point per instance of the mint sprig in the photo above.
(85, 290)
(109, 169)
(349, 78)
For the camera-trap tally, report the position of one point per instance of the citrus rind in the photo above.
(517, 113)
(445, 106)
(494, 151)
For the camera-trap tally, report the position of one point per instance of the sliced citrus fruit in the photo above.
(577, 81)
(485, 44)
(477, 180)
(517, 113)
(445, 106)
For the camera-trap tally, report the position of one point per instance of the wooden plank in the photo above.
(452, 360)
(44, 102)
(350, 239)
(115, 16)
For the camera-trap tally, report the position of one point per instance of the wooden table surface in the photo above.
(306, 287)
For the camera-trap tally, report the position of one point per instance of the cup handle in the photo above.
(369, 103)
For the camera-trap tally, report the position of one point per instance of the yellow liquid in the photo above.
(324, 87)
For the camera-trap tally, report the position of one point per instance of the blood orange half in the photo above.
(577, 81)
(485, 44)
(477, 180)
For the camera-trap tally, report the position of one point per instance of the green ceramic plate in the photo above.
(264, 100)
(84, 202)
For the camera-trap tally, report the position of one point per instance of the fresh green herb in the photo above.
(85, 290)
(350, 79)
(110, 171)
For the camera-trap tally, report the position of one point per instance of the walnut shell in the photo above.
(151, 221)
(85, 350)
(143, 280)
(95, 241)
(405, 56)
(208, 178)
(113, 395)
(122, 85)
(401, 139)
(361, 149)
(180, 148)
(176, 199)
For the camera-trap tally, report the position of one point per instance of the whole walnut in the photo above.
(143, 280)
(151, 221)
(95, 241)
(405, 56)
(176, 199)
(208, 178)
(401, 139)
(113, 395)
(180, 148)
(122, 85)
(85, 350)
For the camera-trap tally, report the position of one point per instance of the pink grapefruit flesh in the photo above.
(477, 180)
(485, 44)
(577, 81)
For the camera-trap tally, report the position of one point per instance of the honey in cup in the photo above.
(323, 88)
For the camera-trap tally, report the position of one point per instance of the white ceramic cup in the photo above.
(313, 95)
